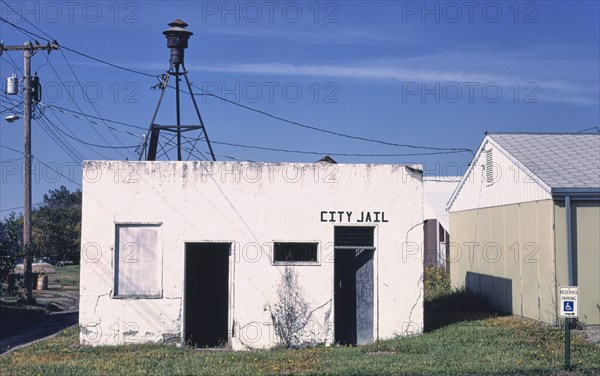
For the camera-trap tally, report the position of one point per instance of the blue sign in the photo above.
(568, 305)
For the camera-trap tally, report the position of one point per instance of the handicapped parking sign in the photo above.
(568, 301)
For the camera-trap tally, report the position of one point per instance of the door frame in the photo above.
(231, 286)
(375, 275)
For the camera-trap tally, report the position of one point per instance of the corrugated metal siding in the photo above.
(510, 184)
(507, 254)
(586, 248)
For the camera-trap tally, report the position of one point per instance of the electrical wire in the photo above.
(91, 144)
(70, 131)
(9, 109)
(330, 152)
(63, 144)
(12, 62)
(19, 207)
(42, 162)
(71, 112)
(77, 104)
(49, 39)
(68, 64)
(597, 129)
(91, 103)
(317, 129)
(279, 118)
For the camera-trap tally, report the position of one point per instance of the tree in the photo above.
(11, 246)
(57, 225)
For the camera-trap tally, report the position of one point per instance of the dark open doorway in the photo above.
(353, 279)
(206, 294)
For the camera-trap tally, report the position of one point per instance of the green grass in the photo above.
(66, 276)
(495, 346)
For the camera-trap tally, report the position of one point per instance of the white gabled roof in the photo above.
(562, 164)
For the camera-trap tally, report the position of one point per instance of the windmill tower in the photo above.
(182, 137)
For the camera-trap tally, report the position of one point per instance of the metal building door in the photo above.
(206, 294)
(353, 290)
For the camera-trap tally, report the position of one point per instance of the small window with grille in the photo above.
(354, 237)
(294, 252)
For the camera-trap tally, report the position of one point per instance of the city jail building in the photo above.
(194, 252)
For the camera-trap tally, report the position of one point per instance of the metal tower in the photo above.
(177, 40)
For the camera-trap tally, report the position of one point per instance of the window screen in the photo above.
(295, 252)
(350, 236)
(137, 261)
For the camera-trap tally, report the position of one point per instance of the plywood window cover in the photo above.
(158, 261)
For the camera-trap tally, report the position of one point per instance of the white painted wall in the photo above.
(511, 183)
(250, 205)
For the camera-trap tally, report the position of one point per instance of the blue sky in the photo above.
(436, 74)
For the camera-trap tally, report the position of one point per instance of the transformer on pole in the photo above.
(177, 41)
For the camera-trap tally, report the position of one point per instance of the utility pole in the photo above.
(28, 52)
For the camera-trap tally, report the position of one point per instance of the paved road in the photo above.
(13, 334)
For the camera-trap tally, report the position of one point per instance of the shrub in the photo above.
(436, 281)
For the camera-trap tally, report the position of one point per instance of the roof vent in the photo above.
(489, 167)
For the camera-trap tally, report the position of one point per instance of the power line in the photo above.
(338, 134)
(11, 160)
(20, 207)
(91, 103)
(50, 39)
(75, 113)
(70, 131)
(69, 149)
(597, 129)
(42, 162)
(8, 109)
(329, 131)
(76, 104)
(317, 129)
(12, 62)
(91, 144)
(331, 153)
(66, 60)
(279, 118)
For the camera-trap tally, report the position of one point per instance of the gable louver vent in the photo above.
(489, 167)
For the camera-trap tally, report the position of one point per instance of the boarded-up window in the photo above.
(137, 261)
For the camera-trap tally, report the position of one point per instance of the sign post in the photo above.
(567, 307)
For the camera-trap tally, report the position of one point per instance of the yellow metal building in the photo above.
(526, 203)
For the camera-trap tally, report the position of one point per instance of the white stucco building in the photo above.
(194, 252)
